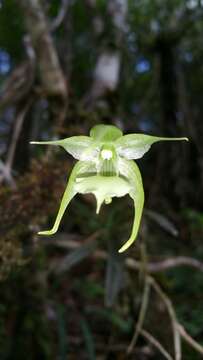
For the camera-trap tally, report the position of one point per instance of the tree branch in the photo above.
(156, 344)
(151, 267)
(60, 16)
(16, 133)
(169, 263)
(189, 339)
(51, 75)
(18, 85)
(172, 314)
(141, 317)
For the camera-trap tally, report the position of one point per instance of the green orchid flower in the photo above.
(106, 169)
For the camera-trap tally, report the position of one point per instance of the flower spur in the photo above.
(106, 169)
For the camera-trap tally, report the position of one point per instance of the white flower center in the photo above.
(106, 154)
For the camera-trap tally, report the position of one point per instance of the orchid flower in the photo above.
(106, 169)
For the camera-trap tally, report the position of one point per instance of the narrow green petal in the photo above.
(80, 147)
(132, 172)
(105, 133)
(69, 193)
(134, 146)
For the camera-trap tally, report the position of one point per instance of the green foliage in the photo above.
(89, 341)
(11, 29)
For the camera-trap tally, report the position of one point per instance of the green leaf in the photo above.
(62, 331)
(76, 256)
(80, 147)
(105, 133)
(134, 146)
(114, 274)
(121, 324)
(89, 339)
(130, 170)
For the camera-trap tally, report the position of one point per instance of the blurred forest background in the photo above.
(65, 66)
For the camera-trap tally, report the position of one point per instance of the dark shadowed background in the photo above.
(65, 66)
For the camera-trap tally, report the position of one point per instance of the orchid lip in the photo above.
(104, 188)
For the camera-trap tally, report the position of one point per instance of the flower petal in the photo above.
(69, 193)
(130, 170)
(134, 146)
(80, 147)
